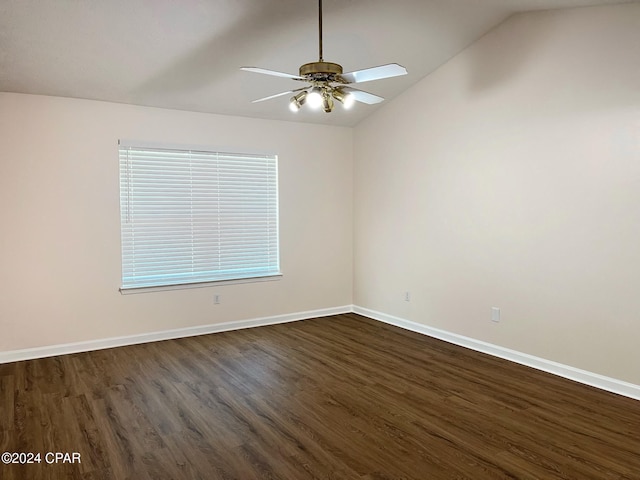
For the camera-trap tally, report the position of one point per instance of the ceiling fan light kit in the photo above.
(328, 82)
(297, 101)
(345, 98)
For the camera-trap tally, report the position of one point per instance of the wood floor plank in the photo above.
(337, 398)
(7, 398)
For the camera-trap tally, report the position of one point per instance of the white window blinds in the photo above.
(195, 216)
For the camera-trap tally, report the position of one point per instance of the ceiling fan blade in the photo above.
(374, 73)
(271, 72)
(363, 97)
(278, 95)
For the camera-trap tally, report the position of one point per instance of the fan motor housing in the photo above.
(323, 68)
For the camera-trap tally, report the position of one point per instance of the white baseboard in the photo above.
(595, 380)
(54, 350)
(582, 376)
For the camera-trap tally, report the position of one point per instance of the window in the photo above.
(192, 216)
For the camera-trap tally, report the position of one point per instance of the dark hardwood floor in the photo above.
(343, 398)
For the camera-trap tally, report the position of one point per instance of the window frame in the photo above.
(271, 206)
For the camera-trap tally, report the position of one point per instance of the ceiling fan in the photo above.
(327, 82)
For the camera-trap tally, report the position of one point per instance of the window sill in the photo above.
(184, 286)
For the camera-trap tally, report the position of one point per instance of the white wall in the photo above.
(510, 177)
(59, 211)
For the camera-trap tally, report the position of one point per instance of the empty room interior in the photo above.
(285, 239)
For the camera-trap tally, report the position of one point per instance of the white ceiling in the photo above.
(186, 54)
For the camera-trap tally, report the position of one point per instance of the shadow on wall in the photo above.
(498, 62)
(564, 61)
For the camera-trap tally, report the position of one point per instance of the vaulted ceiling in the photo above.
(187, 54)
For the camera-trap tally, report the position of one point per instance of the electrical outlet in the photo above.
(407, 296)
(216, 299)
(495, 314)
